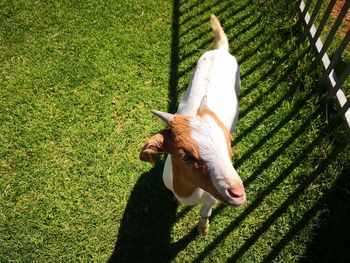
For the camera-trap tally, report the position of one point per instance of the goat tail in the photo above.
(220, 36)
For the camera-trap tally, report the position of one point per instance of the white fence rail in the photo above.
(314, 34)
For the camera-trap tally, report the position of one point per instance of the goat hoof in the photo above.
(203, 230)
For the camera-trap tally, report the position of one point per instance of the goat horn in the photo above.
(166, 117)
(204, 103)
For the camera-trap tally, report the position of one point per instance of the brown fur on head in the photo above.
(189, 170)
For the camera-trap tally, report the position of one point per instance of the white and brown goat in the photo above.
(198, 168)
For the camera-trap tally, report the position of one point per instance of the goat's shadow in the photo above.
(144, 233)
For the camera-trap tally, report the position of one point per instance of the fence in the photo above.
(322, 11)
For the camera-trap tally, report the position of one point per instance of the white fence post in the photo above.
(321, 49)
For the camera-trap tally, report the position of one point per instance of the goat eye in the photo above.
(188, 157)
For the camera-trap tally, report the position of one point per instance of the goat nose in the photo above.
(236, 192)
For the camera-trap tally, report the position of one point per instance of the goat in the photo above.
(198, 168)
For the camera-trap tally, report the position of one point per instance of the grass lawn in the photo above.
(78, 81)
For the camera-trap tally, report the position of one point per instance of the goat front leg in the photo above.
(203, 225)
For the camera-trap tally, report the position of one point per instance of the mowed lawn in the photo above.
(78, 81)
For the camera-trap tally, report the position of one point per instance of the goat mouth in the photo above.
(233, 199)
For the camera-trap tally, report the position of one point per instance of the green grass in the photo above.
(77, 86)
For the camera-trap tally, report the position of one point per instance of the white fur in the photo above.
(217, 76)
(211, 141)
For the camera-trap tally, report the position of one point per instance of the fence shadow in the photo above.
(335, 226)
(332, 236)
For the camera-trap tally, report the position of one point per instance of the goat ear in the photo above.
(166, 117)
(203, 104)
(158, 143)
